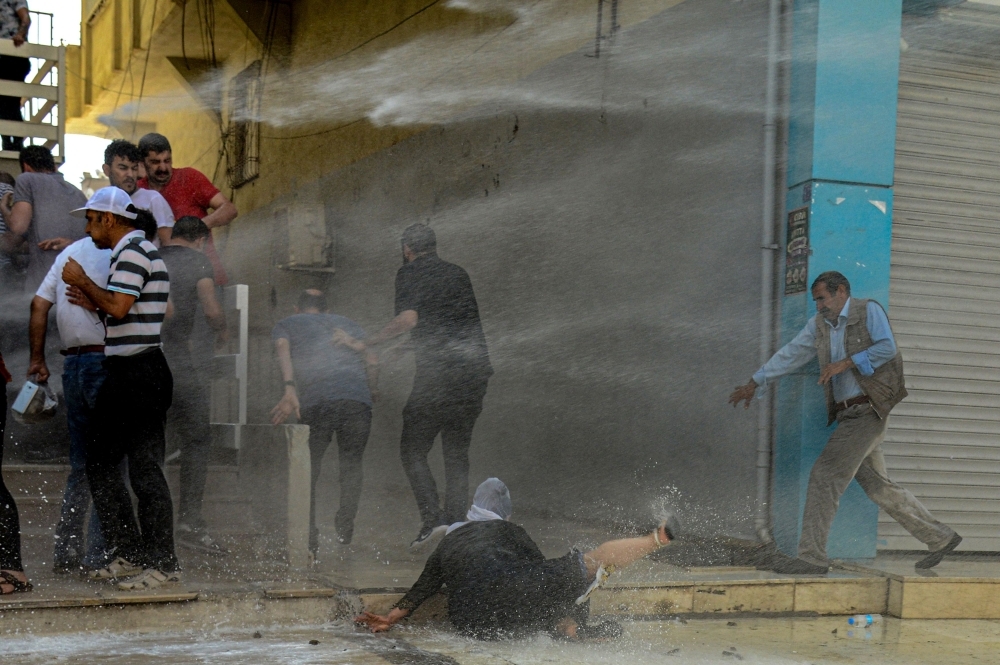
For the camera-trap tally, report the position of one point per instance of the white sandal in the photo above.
(151, 578)
(118, 568)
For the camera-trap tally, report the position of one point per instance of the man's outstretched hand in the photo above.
(744, 393)
(376, 623)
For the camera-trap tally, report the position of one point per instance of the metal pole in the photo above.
(762, 521)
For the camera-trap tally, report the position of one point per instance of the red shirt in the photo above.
(189, 192)
(4, 374)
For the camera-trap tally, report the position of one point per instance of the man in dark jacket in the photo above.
(500, 585)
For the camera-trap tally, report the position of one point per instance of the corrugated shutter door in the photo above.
(943, 442)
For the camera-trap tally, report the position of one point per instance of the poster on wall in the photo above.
(797, 252)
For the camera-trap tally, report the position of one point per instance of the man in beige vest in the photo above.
(862, 373)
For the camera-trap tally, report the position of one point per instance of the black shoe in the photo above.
(789, 566)
(670, 524)
(68, 567)
(427, 536)
(606, 630)
(934, 558)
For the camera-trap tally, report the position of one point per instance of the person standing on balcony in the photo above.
(434, 300)
(41, 212)
(14, 23)
(82, 334)
(121, 166)
(188, 192)
(191, 284)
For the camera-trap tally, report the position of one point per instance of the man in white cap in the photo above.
(132, 403)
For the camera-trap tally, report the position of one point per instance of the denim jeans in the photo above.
(82, 378)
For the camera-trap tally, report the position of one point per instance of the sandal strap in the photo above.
(19, 586)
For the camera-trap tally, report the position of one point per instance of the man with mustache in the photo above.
(862, 372)
(121, 166)
(188, 192)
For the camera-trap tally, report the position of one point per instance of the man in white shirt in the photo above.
(121, 165)
(82, 333)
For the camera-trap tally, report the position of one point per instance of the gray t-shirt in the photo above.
(51, 199)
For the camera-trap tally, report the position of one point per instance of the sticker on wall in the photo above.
(797, 252)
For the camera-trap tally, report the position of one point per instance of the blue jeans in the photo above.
(82, 378)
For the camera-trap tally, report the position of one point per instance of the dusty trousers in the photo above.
(855, 451)
(129, 418)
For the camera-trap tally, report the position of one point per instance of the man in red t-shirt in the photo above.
(188, 192)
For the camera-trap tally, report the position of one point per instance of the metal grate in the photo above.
(243, 138)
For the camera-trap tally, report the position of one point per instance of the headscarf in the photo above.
(491, 502)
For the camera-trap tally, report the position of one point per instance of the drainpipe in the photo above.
(762, 521)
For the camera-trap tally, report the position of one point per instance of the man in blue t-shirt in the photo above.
(329, 388)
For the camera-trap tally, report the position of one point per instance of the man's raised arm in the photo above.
(789, 358)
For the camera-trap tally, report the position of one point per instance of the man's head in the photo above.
(110, 216)
(121, 165)
(145, 222)
(36, 159)
(311, 301)
(7, 178)
(830, 291)
(189, 231)
(493, 495)
(418, 240)
(156, 156)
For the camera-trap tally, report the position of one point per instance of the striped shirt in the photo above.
(138, 270)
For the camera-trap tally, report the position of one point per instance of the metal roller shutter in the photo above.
(943, 442)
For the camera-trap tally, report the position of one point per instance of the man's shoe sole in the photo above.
(935, 557)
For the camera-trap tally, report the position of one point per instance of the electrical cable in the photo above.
(145, 67)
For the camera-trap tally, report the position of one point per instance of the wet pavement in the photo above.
(702, 641)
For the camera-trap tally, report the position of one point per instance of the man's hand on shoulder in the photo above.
(55, 244)
(744, 393)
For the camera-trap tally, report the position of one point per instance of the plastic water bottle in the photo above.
(864, 620)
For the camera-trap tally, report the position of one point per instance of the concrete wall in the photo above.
(613, 241)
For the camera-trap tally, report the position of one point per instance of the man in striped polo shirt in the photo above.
(132, 403)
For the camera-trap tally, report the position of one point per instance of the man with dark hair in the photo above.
(329, 388)
(40, 211)
(191, 284)
(10, 245)
(188, 192)
(121, 166)
(14, 23)
(132, 402)
(435, 300)
(861, 371)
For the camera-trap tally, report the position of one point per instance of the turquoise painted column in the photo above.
(842, 136)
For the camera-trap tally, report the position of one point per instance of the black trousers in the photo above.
(351, 421)
(423, 419)
(10, 525)
(12, 68)
(188, 424)
(130, 413)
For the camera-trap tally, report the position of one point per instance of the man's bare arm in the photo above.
(371, 370)
(289, 402)
(164, 233)
(113, 303)
(22, 32)
(223, 211)
(210, 305)
(403, 323)
(37, 325)
(18, 218)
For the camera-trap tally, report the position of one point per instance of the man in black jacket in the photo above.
(500, 585)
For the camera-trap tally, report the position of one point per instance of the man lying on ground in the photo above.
(500, 585)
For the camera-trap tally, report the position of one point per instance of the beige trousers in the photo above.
(855, 451)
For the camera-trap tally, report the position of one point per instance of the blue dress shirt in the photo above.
(802, 349)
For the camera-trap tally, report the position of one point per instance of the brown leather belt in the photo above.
(854, 401)
(78, 350)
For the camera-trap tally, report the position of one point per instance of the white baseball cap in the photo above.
(107, 199)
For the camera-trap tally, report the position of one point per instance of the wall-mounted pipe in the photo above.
(762, 520)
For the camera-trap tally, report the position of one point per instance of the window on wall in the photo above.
(243, 138)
